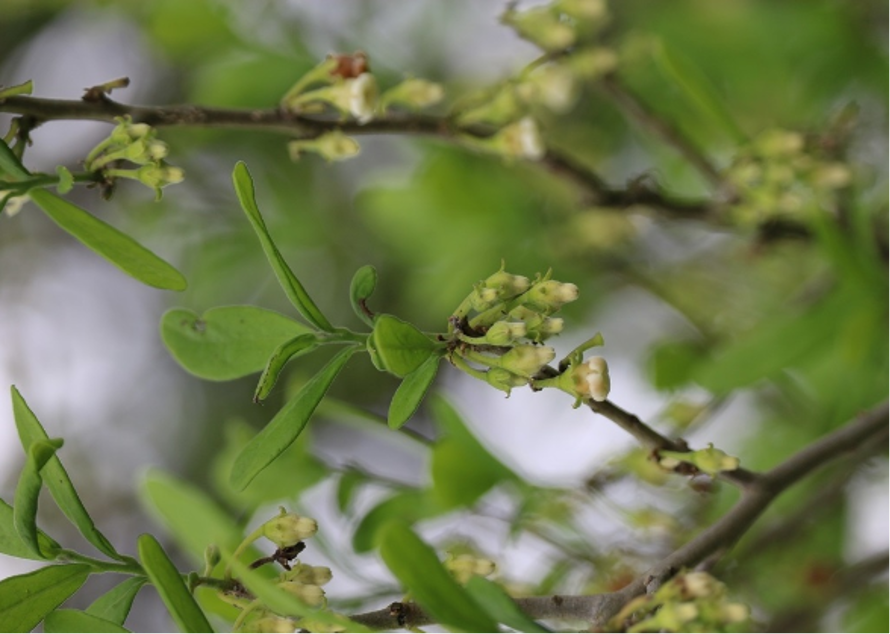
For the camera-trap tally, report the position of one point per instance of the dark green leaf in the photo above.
(56, 478)
(10, 165)
(116, 247)
(227, 342)
(408, 506)
(173, 591)
(26, 599)
(77, 621)
(500, 606)
(292, 287)
(421, 573)
(27, 494)
(114, 605)
(287, 424)
(398, 347)
(410, 393)
(10, 542)
(462, 469)
(672, 362)
(194, 519)
(362, 287)
(299, 345)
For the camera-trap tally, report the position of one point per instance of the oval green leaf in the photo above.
(410, 393)
(116, 247)
(26, 599)
(294, 290)
(56, 478)
(77, 621)
(362, 287)
(287, 424)
(227, 342)
(400, 347)
(173, 591)
(421, 573)
(114, 605)
(299, 345)
(27, 493)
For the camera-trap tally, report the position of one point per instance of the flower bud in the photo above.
(332, 146)
(498, 109)
(504, 333)
(506, 284)
(289, 528)
(592, 63)
(309, 575)
(591, 379)
(586, 10)
(734, 612)
(483, 298)
(541, 26)
(356, 97)
(517, 140)
(711, 461)
(549, 295)
(504, 380)
(832, 176)
(273, 623)
(698, 585)
(413, 93)
(552, 86)
(526, 360)
(464, 567)
(776, 143)
(310, 594)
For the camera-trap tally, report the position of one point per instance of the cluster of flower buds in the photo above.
(466, 566)
(501, 324)
(711, 461)
(690, 602)
(134, 143)
(288, 529)
(779, 175)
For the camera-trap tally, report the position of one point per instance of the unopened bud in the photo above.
(541, 26)
(309, 594)
(591, 379)
(289, 528)
(550, 295)
(504, 380)
(506, 284)
(413, 93)
(504, 333)
(332, 146)
(527, 360)
(273, 624)
(310, 575)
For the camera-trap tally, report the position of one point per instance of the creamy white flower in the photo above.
(362, 97)
(591, 379)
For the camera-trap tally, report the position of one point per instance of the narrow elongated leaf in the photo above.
(227, 342)
(299, 345)
(10, 165)
(362, 287)
(56, 478)
(11, 544)
(77, 621)
(421, 573)
(28, 491)
(116, 247)
(114, 605)
(398, 347)
(347, 486)
(294, 290)
(500, 606)
(194, 519)
(26, 599)
(171, 587)
(410, 393)
(287, 424)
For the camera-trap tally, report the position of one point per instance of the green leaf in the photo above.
(116, 247)
(56, 478)
(28, 492)
(398, 347)
(294, 290)
(362, 287)
(408, 506)
(287, 424)
(194, 519)
(462, 469)
(285, 604)
(421, 573)
(66, 180)
(77, 621)
(227, 342)
(10, 165)
(410, 393)
(347, 486)
(114, 605)
(26, 599)
(298, 346)
(11, 544)
(500, 606)
(24, 88)
(173, 591)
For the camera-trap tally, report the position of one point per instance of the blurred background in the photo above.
(80, 339)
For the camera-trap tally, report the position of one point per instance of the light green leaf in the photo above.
(294, 290)
(500, 606)
(66, 180)
(10, 165)
(26, 599)
(116, 247)
(398, 347)
(11, 544)
(227, 342)
(298, 346)
(25, 88)
(410, 393)
(77, 621)
(408, 506)
(287, 424)
(114, 605)
(28, 492)
(194, 519)
(56, 478)
(173, 591)
(421, 573)
(362, 287)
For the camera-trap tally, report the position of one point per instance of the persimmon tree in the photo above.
(525, 230)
